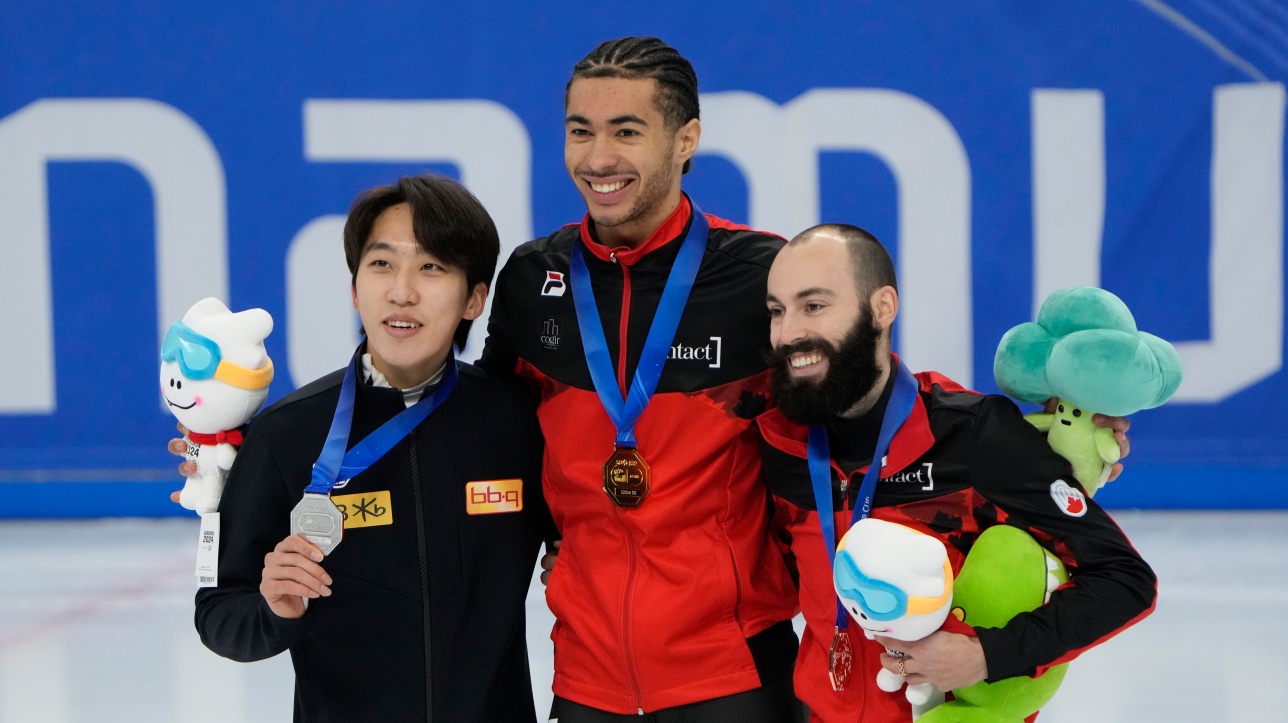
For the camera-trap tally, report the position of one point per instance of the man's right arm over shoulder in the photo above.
(499, 354)
(234, 619)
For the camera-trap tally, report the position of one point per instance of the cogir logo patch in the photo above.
(492, 496)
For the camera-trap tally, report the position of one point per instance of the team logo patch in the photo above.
(1070, 501)
(554, 285)
(492, 496)
(550, 335)
(365, 509)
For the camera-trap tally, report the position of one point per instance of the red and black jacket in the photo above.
(653, 605)
(962, 463)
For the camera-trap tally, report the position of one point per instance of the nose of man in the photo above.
(402, 290)
(789, 329)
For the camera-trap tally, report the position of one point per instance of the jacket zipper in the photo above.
(424, 575)
(627, 646)
(624, 324)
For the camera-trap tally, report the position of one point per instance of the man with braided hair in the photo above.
(642, 332)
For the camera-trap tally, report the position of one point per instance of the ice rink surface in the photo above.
(96, 625)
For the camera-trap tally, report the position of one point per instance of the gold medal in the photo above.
(841, 659)
(626, 477)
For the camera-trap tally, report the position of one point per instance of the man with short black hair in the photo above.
(418, 613)
(957, 463)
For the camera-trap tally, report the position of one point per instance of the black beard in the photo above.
(852, 372)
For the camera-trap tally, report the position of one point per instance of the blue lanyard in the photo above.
(625, 412)
(902, 399)
(335, 464)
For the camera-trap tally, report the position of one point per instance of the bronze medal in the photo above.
(841, 659)
(626, 477)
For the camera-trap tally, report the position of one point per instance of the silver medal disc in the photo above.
(318, 519)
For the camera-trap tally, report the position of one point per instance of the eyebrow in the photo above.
(814, 291)
(619, 120)
(378, 246)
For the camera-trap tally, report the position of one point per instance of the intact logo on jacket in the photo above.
(710, 353)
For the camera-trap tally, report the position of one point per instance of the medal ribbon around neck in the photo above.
(625, 412)
(898, 409)
(335, 464)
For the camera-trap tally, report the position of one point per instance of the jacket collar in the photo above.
(910, 443)
(671, 228)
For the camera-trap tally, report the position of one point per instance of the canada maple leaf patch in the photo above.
(1070, 500)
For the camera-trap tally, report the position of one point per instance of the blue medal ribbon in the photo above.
(625, 412)
(902, 399)
(335, 464)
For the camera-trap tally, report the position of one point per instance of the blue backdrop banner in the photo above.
(152, 154)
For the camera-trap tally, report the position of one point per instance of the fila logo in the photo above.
(554, 285)
(709, 353)
(923, 476)
(1071, 501)
(492, 496)
(550, 334)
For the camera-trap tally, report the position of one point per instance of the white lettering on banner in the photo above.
(1246, 279)
(321, 325)
(776, 149)
(186, 178)
(1068, 189)
(1246, 284)
(485, 140)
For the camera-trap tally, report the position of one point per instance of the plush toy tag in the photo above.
(208, 551)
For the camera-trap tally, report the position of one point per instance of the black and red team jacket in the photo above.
(962, 463)
(653, 605)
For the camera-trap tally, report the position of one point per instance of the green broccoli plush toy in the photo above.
(1085, 349)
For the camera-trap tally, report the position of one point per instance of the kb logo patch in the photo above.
(492, 496)
(365, 509)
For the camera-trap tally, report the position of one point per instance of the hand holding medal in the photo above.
(292, 575)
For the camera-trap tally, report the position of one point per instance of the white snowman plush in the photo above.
(895, 582)
(214, 377)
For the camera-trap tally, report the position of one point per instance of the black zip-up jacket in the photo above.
(427, 601)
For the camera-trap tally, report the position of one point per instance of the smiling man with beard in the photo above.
(959, 463)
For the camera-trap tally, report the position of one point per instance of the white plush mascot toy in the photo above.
(214, 377)
(895, 582)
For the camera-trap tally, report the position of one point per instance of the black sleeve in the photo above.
(1110, 587)
(499, 355)
(233, 619)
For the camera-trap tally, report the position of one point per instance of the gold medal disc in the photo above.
(626, 477)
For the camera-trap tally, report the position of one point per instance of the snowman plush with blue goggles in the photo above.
(895, 582)
(215, 374)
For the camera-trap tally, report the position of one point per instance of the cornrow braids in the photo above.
(648, 57)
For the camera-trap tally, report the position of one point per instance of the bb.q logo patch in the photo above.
(1071, 501)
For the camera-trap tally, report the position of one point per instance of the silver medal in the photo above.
(319, 520)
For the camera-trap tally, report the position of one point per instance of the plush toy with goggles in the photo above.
(1085, 349)
(215, 374)
(895, 582)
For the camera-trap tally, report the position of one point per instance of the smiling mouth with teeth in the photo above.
(607, 187)
(804, 360)
(403, 324)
